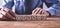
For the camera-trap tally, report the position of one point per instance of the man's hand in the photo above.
(7, 13)
(39, 11)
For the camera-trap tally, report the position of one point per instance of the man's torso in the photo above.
(29, 5)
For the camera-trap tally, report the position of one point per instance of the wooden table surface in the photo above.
(32, 24)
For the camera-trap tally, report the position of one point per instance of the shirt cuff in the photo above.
(51, 11)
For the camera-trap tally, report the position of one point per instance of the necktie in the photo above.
(28, 6)
(22, 6)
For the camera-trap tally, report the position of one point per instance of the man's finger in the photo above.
(38, 9)
(9, 11)
(13, 13)
(6, 14)
(34, 10)
(1, 16)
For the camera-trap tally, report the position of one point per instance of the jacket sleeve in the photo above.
(8, 3)
(54, 9)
